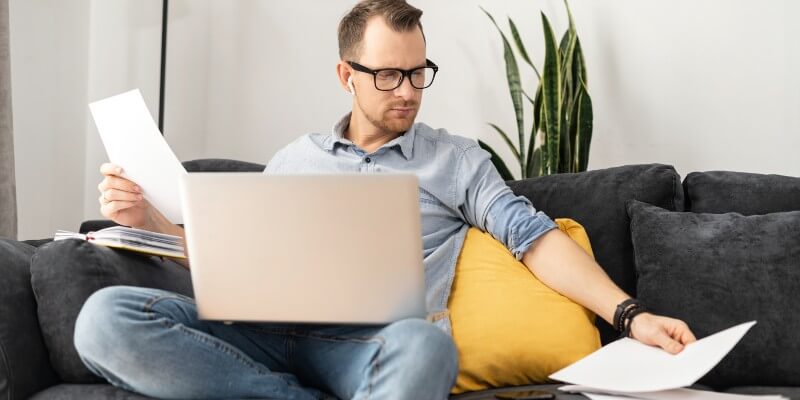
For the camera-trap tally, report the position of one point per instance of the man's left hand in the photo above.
(668, 333)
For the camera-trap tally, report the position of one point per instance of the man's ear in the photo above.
(345, 75)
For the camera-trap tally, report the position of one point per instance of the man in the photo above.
(170, 353)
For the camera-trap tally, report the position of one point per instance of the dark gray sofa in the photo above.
(39, 303)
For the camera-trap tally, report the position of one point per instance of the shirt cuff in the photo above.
(528, 232)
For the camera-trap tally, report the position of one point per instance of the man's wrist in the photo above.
(625, 312)
(157, 222)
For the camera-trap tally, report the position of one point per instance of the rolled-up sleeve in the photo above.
(486, 202)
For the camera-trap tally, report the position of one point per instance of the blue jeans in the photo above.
(150, 341)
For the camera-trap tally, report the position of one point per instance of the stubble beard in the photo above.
(395, 126)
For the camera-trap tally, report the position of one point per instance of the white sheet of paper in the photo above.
(680, 394)
(133, 141)
(629, 366)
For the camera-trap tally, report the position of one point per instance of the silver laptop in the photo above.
(304, 248)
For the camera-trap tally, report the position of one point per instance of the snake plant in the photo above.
(561, 133)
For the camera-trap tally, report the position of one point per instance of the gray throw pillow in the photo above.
(717, 270)
(65, 273)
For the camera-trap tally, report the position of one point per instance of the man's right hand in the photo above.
(121, 200)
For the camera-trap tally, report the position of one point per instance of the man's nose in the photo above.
(405, 90)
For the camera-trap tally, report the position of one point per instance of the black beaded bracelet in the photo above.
(619, 319)
(636, 311)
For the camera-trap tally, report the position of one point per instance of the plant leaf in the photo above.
(497, 162)
(585, 127)
(534, 129)
(562, 46)
(571, 20)
(536, 169)
(506, 139)
(578, 65)
(521, 47)
(514, 86)
(573, 130)
(564, 148)
(551, 89)
(524, 93)
(566, 63)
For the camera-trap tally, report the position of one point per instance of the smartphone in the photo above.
(525, 395)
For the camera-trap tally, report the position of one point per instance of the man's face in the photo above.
(391, 111)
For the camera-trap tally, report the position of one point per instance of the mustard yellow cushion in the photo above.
(511, 329)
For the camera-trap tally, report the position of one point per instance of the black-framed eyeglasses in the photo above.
(387, 79)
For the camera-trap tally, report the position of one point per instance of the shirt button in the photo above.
(367, 160)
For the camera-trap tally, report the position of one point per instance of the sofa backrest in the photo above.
(719, 192)
(596, 200)
(221, 165)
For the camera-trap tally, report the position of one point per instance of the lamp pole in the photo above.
(164, 15)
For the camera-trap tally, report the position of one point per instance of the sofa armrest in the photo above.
(24, 365)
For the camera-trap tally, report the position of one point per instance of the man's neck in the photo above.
(367, 136)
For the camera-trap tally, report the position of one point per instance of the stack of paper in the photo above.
(628, 369)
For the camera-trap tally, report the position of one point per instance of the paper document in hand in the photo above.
(133, 141)
(629, 366)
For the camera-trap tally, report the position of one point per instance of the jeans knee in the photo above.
(426, 346)
(100, 324)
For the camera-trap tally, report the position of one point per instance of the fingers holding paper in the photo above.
(668, 333)
(121, 200)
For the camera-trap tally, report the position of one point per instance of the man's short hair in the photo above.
(399, 15)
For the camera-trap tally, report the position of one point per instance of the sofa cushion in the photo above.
(717, 270)
(65, 273)
(745, 193)
(596, 200)
(24, 367)
(508, 326)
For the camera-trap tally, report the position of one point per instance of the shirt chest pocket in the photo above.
(427, 200)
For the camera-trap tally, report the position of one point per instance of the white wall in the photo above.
(699, 84)
(63, 56)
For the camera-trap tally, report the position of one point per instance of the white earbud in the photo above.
(350, 85)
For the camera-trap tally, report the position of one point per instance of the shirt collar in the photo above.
(404, 141)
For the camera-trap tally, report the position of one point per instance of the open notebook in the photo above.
(139, 240)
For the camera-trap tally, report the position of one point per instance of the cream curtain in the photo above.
(8, 197)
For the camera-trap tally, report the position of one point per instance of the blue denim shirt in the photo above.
(458, 188)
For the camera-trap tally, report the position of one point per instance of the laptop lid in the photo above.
(304, 248)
